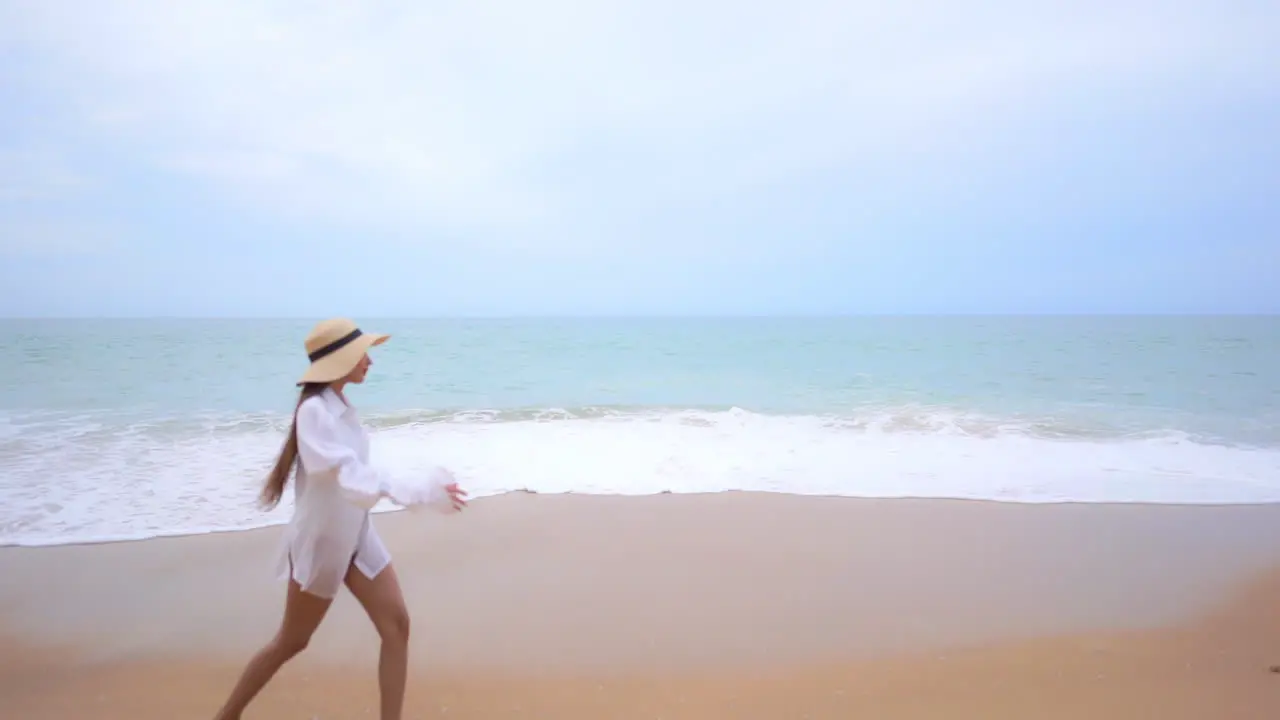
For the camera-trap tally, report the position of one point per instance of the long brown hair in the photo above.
(278, 478)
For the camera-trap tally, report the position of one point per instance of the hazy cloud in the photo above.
(32, 175)
(457, 114)
(646, 154)
(50, 238)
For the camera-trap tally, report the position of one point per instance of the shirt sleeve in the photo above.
(428, 491)
(321, 451)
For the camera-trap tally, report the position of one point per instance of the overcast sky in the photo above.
(246, 157)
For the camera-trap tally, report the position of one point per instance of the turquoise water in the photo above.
(127, 428)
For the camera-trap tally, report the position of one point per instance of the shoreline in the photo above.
(734, 604)
(391, 510)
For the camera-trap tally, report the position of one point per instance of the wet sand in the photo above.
(734, 605)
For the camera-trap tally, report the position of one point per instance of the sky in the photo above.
(574, 157)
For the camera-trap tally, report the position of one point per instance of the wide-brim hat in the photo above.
(334, 347)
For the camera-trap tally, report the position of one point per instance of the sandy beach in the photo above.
(730, 605)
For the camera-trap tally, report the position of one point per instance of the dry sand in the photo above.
(733, 605)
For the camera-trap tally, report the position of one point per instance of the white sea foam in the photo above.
(88, 478)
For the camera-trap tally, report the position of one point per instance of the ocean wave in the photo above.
(51, 427)
(87, 477)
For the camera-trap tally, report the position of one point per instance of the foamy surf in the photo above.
(99, 477)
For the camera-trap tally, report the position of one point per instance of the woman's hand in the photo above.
(438, 490)
(457, 496)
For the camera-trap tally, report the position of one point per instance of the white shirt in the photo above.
(334, 491)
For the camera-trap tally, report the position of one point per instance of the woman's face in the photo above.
(361, 369)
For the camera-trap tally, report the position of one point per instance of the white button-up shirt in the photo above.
(334, 491)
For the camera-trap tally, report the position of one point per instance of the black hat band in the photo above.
(335, 346)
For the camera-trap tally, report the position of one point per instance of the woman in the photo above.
(330, 540)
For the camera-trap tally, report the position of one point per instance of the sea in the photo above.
(126, 429)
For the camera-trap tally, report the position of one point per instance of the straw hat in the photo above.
(334, 347)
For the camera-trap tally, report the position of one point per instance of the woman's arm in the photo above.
(321, 451)
(361, 483)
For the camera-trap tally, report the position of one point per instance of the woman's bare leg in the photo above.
(302, 615)
(382, 600)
